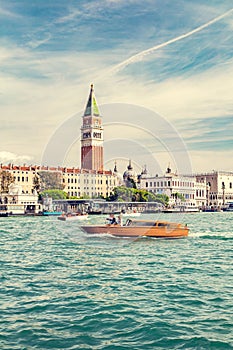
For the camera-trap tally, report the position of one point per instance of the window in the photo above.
(230, 185)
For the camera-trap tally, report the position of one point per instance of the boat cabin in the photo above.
(150, 223)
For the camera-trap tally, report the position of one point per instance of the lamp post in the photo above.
(207, 194)
(223, 194)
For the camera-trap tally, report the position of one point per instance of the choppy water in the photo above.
(62, 289)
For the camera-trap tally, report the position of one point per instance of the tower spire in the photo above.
(92, 107)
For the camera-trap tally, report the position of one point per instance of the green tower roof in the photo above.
(92, 107)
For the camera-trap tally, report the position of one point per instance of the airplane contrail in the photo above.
(142, 54)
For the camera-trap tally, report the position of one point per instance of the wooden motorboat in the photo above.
(137, 228)
(72, 217)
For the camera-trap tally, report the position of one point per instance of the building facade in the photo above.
(219, 187)
(179, 188)
(88, 183)
(75, 182)
(24, 176)
(14, 202)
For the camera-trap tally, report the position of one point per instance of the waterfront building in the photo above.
(90, 183)
(179, 188)
(74, 181)
(15, 202)
(24, 176)
(201, 192)
(219, 187)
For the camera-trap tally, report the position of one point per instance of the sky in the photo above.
(162, 70)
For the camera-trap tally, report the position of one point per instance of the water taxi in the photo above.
(137, 228)
(73, 217)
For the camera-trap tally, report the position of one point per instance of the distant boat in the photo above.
(3, 211)
(4, 214)
(131, 214)
(140, 228)
(181, 209)
(72, 217)
(51, 213)
(230, 207)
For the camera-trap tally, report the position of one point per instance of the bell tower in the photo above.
(92, 136)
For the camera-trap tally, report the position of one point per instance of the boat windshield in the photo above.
(134, 223)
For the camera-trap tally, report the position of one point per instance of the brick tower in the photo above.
(92, 136)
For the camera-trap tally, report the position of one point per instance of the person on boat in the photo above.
(119, 220)
(112, 219)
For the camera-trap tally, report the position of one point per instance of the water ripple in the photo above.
(62, 289)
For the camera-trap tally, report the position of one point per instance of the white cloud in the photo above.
(8, 157)
(70, 16)
(8, 54)
(6, 13)
(206, 94)
(141, 55)
(34, 43)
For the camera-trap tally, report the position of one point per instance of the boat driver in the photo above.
(112, 219)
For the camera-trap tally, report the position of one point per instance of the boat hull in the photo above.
(124, 231)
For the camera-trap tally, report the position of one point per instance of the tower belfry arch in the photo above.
(92, 135)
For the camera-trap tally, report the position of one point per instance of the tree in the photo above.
(6, 178)
(126, 194)
(180, 196)
(54, 194)
(162, 198)
(37, 183)
(130, 182)
(50, 180)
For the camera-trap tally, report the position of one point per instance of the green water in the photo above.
(63, 289)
